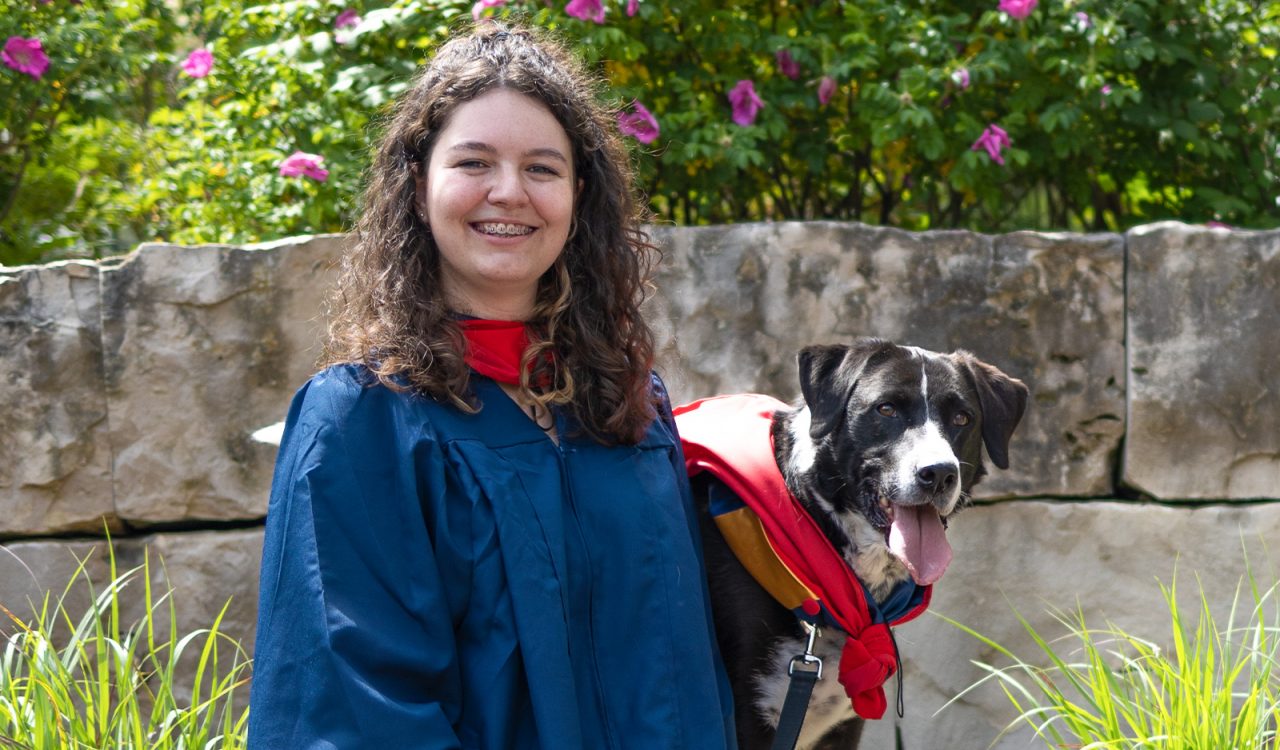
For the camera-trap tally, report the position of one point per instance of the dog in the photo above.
(881, 450)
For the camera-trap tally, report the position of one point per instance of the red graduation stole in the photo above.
(495, 347)
(779, 543)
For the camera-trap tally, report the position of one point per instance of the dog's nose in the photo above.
(938, 478)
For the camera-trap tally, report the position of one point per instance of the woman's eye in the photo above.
(960, 419)
(887, 410)
(543, 169)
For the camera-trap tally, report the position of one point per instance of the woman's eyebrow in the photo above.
(547, 152)
(473, 146)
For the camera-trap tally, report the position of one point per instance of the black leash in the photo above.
(897, 660)
(805, 671)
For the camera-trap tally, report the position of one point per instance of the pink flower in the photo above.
(787, 65)
(961, 78)
(479, 8)
(198, 63)
(587, 10)
(1018, 9)
(639, 123)
(346, 18)
(25, 56)
(1084, 20)
(299, 164)
(746, 103)
(826, 89)
(1106, 89)
(993, 139)
(633, 7)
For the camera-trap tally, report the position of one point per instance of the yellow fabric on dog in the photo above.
(745, 534)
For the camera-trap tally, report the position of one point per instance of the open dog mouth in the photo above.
(917, 538)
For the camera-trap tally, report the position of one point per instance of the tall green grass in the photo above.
(71, 682)
(1211, 686)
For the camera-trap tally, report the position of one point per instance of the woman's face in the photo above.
(498, 195)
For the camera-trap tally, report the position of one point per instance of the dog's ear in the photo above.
(1003, 400)
(827, 377)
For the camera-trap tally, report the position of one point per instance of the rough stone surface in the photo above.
(202, 347)
(131, 387)
(1107, 558)
(736, 303)
(1032, 555)
(1204, 361)
(204, 569)
(201, 572)
(55, 461)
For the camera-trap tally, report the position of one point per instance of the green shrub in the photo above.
(74, 142)
(1212, 685)
(1116, 113)
(96, 682)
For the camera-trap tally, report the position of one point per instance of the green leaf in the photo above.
(1185, 130)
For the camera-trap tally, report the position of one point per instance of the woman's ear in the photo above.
(420, 192)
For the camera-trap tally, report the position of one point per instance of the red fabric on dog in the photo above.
(729, 437)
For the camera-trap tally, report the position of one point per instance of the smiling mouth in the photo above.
(494, 229)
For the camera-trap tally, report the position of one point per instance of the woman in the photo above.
(480, 532)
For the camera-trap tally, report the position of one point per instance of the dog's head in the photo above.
(895, 435)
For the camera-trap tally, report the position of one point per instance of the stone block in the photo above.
(205, 571)
(1106, 558)
(1204, 363)
(208, 570)
(29, 570)
(203, 346)
(735, 303)
(55, 460)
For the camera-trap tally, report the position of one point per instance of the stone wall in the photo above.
(133, 389)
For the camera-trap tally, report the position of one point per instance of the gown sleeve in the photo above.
(691, 515)
(355, 642)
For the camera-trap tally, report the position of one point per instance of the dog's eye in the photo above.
(960, 419)
(887, 410)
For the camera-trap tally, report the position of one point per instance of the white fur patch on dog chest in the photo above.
(828, 706)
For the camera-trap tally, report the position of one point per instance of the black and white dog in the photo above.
(881, 451)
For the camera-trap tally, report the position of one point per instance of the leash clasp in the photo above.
(807, 661)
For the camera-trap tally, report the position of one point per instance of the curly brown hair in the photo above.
(389, 310)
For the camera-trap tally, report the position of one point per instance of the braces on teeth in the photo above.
(507, 230)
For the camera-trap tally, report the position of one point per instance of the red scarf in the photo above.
(729, 437)
(495, 347)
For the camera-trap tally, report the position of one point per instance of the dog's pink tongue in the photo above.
(919, 541)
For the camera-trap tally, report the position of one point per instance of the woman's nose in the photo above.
(507, 187)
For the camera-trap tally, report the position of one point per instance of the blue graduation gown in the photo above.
(435, 579)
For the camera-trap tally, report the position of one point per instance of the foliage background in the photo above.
(1119, 112)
